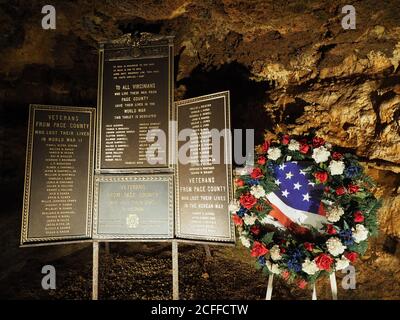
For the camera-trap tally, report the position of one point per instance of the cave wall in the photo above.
(290, 67)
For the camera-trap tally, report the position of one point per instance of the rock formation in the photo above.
(290, 66)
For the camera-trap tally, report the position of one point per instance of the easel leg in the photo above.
(95, 274)
(175, 271)
(208, 252)
(314, 293)
(332, 278)
(107, 247)
(269, 288)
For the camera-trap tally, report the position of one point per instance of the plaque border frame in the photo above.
(128, 41)
(110, 237)
(229, 176)
(29, 241)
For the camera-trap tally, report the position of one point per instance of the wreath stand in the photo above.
(175, 274)
(332, 280)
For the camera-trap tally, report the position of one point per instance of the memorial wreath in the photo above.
(304, 209)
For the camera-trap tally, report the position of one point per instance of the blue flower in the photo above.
(347, 237)
(296, 254)
(352, 171)
(253, 182)
(294, 263)
(261, 261)
(241, 212)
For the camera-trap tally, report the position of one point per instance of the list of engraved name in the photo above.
(60, 137)
(202, 187)
(134, 101)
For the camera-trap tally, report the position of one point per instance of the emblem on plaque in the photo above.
(136, 52)
(132, 221)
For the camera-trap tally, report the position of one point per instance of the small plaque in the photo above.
(204, 190)
(133, 207)
(59, 174)
(135, 98)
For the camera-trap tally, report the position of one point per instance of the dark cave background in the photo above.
(289, 67)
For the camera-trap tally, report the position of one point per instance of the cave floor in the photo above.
(143, 271)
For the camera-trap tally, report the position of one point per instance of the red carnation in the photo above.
(358, 216)
(265, 146)
(261, 160)
(258, 249)
(337, 155)
(340, 191)
(321, 176)
(353, 188)
(308, 246)
(317, 142)
(255, 230)
(302, 283)
(330, 229)
(238, 221)
(352, 256)
(285, 139)
(324, 261)
(239, 182)
(285, 274)
(304, 147)
(247, 200)
(282, 250)
(256, 173)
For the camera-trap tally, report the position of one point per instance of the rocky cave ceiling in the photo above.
(290, 66)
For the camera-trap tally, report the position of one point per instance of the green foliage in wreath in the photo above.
(303, 253)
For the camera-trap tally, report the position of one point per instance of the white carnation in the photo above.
(327, 202)
(234, 207)
(275, 253)
(249, 219)
(273, 267)
(244, 170)
(320, 154)
(341, 263)
(274, 153)
(245, 241)
(294, 145)
(360, 233)
(334, 213)
(335, 246)
(309, 267)
(257, 191)
(336, 167)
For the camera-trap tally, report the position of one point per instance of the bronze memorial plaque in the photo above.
(59, 174)
(204, 188)
(133, 207)
(135, 99)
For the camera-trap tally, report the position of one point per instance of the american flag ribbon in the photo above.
(297, 202)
